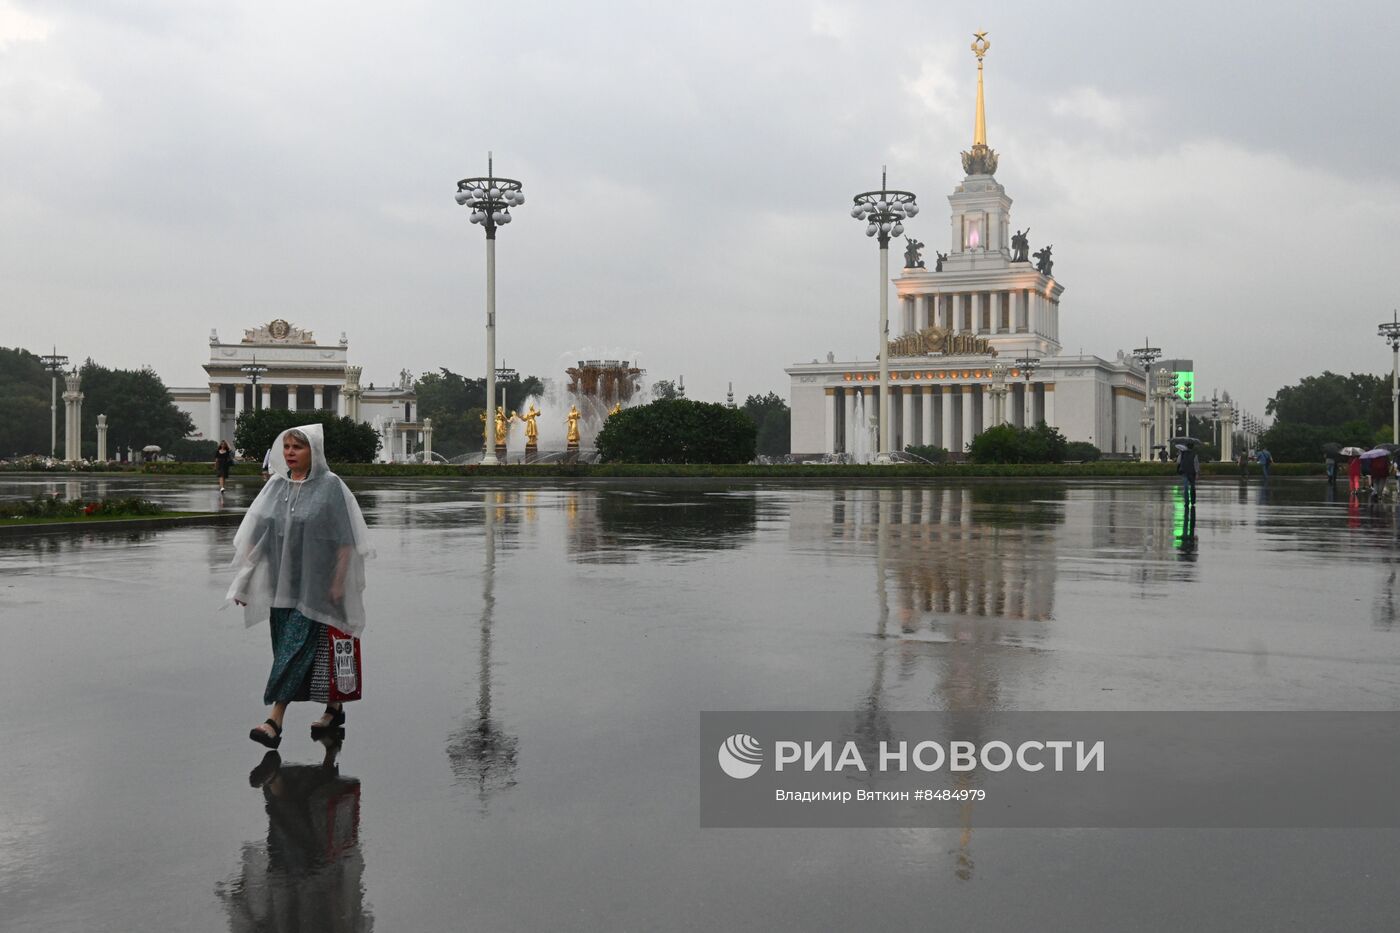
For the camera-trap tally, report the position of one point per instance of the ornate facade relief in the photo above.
(278, 331)
(934, 340)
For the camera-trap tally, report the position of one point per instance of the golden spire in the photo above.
(980, 45)
(981, 160)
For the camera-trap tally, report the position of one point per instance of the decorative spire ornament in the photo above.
(982, 160)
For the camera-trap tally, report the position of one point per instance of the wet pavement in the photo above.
(535, 661)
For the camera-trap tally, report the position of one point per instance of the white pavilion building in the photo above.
(301, 374)
(957, 331)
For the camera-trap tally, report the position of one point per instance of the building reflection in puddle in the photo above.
(965, 583)
(309, 874)
(617, 526)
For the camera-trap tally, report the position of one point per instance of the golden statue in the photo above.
(615, 409)
(532, 431)
(501, 425)
(573, 424)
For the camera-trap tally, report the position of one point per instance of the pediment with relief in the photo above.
(278, 331)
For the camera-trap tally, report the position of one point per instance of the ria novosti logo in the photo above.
(740, 756)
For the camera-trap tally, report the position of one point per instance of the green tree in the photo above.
(929, 452)
(139, 409)
(347, 440)
(456, 403)
(678, 431)
(774, 419)
(664, 389)
(1007, 443)
(24, 404)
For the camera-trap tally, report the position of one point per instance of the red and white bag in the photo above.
(345, 678)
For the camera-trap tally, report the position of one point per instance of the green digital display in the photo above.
(1184, 380)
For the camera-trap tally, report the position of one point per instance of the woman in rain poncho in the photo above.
(299, 558)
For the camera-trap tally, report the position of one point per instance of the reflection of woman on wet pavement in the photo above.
(299, 556)
(310, 873)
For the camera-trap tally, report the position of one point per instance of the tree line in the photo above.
(139, 408)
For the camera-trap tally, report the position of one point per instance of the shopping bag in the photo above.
(344, 651)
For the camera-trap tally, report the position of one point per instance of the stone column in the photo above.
(216, 414)
(949, 438)
(1163, 391)
(829, 422)
(1144, 435)
(319, 401)
(101, 438)
(73, 417)
(975, 313)
(427, 440)
(967, 416)
(998, 394)
(957, 313)
(267, 396)
(924, 315)
(351, 393)
(848, 437)
(237, 403)
(391, 440)
(926, 410)
(1047, 404)
(906, 416)
(291, 398)
(1227, 432)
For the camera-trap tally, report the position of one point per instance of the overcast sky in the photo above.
(1223, 179)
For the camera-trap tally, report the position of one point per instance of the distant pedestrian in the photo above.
(1331, 464)
(1188, 464)
(267, 465)
(1379, 469)
(1265, 459)
(1244, 463)
(223, 462)
(1354, 475)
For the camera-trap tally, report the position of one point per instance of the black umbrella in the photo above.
(1332, 447)
(1390, 447)
(1188, 441)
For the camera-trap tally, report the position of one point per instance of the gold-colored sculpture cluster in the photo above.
(935, 339)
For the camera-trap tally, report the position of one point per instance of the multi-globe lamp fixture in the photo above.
(490, 199)
(884, 213)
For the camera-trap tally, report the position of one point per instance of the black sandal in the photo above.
(262, 738)
(337, 720)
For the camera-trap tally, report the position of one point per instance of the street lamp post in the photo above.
(1146, 355)
(490, 199)
(254, 371)
(1215, 416)
(1028, 365)
(1391, 332)
(505, 374)
(54, 364)
(884, 212)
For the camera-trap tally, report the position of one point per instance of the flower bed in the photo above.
(55, 507)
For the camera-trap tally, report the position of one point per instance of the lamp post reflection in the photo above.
(482, 755)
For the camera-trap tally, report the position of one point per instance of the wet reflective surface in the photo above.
(535, 661)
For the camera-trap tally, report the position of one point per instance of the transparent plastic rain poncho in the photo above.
(303, 545)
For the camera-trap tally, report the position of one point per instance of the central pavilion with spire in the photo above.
(961, 322)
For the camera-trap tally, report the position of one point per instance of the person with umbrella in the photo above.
(1330, 453)
(1378, 468)
(1353, 467)
(1188, 464)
